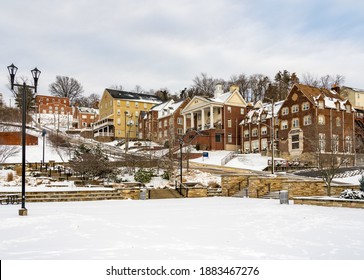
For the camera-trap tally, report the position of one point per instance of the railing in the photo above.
(227, 158)
(108, 134)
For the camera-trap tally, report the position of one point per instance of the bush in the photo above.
(143, 176)
(351, 194)
(197, 147)
(361, 181)
(166, 175)
(10, 176)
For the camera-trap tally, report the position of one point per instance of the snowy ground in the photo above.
(186, 229)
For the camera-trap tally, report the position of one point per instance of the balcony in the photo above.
(104, 134)
(103, 123)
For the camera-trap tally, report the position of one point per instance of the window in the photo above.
(119, 121)
(322, 142)
(295, 142)
(321, 104)
(254, 119)
(284, 124)
(321, 120)
(335, 143)
(229, 122)
(285, 111)
(246, 133)
(179, 120)
(92, 117)
(255, 132)
(242, 111)
(137, 113)
(263, 130)
(295, 108)
(136, 104)
(179, 131)
(160, 124)
(165, 122)
(230, 138)
(118, 102)
(229, 109)
(338, 121)
(145, 105)
(218, 138)
(295, 123)
(127, 103)
(84, 116)
(307, 120)
(348, 108)
(348, 144)
(305, 106)
(118, 112)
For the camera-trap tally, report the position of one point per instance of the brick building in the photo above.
(52, 105)
(84, 117)
(313, 120)
(214, 122)
(256, 128)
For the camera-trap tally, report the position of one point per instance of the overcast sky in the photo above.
(166, 43)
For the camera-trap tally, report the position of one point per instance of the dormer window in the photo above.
(348, 108)
(321, 104)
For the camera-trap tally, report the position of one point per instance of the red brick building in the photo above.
(84, 117)
(315, 120)
(53, 105)
(256, 128)
(214, 122)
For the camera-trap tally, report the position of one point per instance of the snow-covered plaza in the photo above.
(185, 229)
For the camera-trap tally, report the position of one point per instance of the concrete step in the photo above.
(242, 193)
(164, 193)
(271, 195)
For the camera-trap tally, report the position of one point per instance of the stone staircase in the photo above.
(164, 194)
(64, 196)
(271, 195)
(242, 193)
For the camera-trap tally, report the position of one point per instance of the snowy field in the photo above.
(185, 229)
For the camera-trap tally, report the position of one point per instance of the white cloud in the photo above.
(167, 43)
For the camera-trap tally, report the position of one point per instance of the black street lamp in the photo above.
(272, 129)
(44, 132)
(180, 159)
(35, 73)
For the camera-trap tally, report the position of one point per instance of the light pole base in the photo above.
(23, 212)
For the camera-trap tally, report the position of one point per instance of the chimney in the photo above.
(336, 88)
(218, 90)
(233, 88)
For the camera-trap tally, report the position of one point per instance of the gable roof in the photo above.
(120, 94)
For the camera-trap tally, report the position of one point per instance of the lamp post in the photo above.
(273, 133)
(35, 73)
(126, 136)
(44, 132)
(180, 158)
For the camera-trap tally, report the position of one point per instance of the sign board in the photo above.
(205, 154)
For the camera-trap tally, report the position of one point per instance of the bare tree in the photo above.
(66, 87)
(7, 152)
(138, 89)
(243, 82)
(204, 85)
(116, 87)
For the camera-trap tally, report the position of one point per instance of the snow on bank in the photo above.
(200, 228)
(244, 161)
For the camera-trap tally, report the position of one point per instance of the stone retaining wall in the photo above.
(333, 202)
(262, 185)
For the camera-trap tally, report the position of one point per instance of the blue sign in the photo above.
(205, 154)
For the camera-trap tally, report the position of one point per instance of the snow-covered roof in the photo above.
(88, 110)
(259, 108)
(169, 109)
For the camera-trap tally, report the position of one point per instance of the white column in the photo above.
(184, 124)
(211, 117)
(192, 121)
(202, 119)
